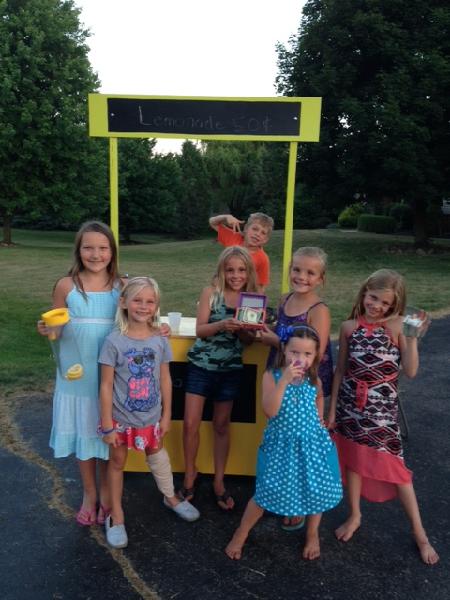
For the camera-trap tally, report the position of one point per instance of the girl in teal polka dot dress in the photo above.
(297, 471)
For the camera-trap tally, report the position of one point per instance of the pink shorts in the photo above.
(138, 438)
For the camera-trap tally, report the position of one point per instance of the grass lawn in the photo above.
(30, 269)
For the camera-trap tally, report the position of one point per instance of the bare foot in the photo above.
(224, 499)
(234, 548)
(346, 530)
(311, 551)
(427, 553)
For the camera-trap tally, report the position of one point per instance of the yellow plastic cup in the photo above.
(55, 318)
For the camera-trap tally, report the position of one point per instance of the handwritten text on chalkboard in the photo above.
(203, 117)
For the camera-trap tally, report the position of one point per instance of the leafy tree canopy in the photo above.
(49, 165)
(383, 70)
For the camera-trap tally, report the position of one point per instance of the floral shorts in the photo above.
(138, 438)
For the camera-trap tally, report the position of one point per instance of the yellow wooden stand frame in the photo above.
(245, 437)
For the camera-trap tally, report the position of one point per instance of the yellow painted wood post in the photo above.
(289, 219)
(114, 188)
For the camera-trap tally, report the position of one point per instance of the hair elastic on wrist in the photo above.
(107, 431)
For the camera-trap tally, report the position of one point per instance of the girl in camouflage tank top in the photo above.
(215, 366)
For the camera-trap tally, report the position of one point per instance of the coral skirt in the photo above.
(380, 471)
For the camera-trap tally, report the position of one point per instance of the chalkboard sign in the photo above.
(244, 409)
(198, 117)
(260, 119)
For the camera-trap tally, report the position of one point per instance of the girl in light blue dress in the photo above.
(90, 292)
(297, 471)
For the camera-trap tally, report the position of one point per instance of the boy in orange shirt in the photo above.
(256, 234)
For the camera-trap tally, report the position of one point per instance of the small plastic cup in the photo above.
(299, 380)
(60, 329)
(414, 321)
(54, 320)
(175, 321)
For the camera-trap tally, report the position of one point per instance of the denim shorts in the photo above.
(220, 386)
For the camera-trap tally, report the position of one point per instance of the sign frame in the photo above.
(309, 114)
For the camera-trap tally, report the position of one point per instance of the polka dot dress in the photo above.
(298, 471)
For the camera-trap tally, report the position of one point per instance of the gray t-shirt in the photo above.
(137, 366)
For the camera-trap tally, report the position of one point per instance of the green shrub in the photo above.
(403, 215)
(348, 218)
(376, 223)
(310, 214)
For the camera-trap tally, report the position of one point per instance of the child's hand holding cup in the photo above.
(301, 371)
(415, 322)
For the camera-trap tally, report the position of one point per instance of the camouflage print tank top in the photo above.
(220, 352)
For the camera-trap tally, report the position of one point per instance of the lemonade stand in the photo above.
(280, 119)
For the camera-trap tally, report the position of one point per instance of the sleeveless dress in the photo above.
(297, 471)
(76, 407)
(326, 364)
(367, 433)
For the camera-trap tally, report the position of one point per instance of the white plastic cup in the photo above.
(415, 322)
(174, 321)
(299, 380)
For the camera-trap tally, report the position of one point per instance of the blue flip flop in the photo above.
(295, 527)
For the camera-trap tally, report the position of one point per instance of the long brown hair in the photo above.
(383, 279)
(304, 332)
(77, 265)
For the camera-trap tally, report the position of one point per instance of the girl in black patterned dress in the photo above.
(364, 404)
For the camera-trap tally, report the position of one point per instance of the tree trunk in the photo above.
(420, 224)
(7, 230)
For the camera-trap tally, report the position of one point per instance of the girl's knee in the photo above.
(191, 426)
(221, 428)
(117, 459)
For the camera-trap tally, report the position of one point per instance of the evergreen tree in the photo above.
(151, 188)
(240, 179)
(195, 198)
(383, 70)
(49, 164)
(136, 179)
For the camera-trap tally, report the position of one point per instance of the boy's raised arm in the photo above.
(228, 221)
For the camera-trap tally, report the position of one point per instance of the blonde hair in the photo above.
(263, 219)
(77, 265)
(304, 332)
(383, 279)
(312, 252)
(131, 289)
(218, 282)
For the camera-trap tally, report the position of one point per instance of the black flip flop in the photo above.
(223, 498)
(188, 494)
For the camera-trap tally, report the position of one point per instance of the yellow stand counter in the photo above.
(247, 419)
